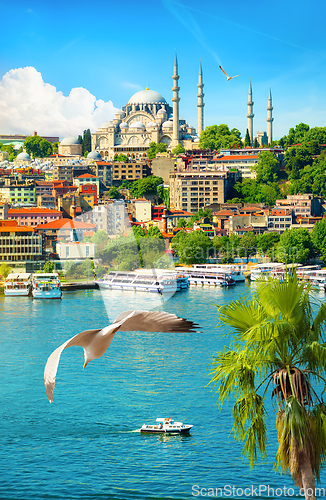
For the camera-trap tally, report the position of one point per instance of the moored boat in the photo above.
(46, 286)
(207, 277)
(166, 426)
(156, 281)
(18, 284)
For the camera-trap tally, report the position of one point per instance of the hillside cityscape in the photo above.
(209, 196)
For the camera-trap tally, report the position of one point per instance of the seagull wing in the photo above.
(82, 339)
(224, 71)
(154, 321)
(235, 76)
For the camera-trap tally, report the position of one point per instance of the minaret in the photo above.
(175, 100)
(200, 103)
(250, 114)
(269, 118)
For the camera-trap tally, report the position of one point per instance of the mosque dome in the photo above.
(124, 125)
(23, 157)
(137, 125)
(161, 112)
(69, 141)
(147, 96)
(167, 124)
(105, 124)
(119, 112)
(151, 124)
(94, 155)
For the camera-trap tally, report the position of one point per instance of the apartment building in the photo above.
(306, 205)
(17, 193)
(19, 243)
(33, 216)
(191, 190)
(130, 171)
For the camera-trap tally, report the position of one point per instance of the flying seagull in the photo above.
(96, 342)
(227, 76)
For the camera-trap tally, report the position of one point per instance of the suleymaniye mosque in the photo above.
(148, 117)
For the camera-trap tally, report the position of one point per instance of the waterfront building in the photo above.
(19, 244)
(75, 250)
(33, 216)
(147, 117)
(191, 190)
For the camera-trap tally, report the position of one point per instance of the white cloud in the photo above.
(27, 103)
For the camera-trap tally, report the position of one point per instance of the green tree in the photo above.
(267, 241)
(100, 239)
(155, 148)
(48, 267)
(10, 150)
(182, 223)
(276, 341)
(266, 168)
(114, 193)
(5, 270)
(215, 137)
(38, 147)
(191, 248)
(318, 237)
(154, 232)
(295, 245)
(248, 245)
(247, 138)
(121, 157)
(178, 150)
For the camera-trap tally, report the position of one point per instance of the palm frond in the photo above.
(241, 314)
(249, 425)
(319, 322)
(234, 371)
(283, 298)
(314, 357)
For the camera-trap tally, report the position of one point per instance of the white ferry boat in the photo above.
(207, 277)
(18, 284)
(232, 271)
(142, 281)
(313, 275)
(268, 270)
(166, 426)
(46, 286)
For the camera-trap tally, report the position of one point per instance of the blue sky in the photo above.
(112, 49)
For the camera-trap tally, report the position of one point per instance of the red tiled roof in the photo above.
(224, 212)
(84, 176)
(29, 210)
(66, 224)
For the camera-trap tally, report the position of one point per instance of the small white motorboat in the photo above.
(166, 426)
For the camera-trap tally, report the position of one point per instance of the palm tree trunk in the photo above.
(308, 479)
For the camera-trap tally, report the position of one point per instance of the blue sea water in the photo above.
(84, 446)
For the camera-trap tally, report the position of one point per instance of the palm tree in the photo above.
(278, 347)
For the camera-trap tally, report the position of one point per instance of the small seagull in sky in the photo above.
(96, 342)
(227, 76)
